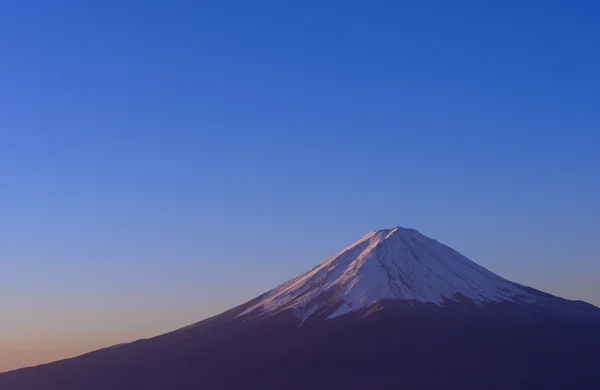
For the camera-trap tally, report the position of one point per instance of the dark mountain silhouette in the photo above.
(394, 310)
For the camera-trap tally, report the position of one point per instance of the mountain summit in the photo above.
(395, 264)
(399, 264)
(394, 310)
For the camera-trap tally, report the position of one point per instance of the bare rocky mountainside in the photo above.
(394, 310)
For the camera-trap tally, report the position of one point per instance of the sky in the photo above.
(161, 162)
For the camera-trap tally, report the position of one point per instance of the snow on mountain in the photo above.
(397, 263)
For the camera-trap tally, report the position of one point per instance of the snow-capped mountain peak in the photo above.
(397, 264)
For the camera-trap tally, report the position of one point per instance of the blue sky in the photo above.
(163, 161)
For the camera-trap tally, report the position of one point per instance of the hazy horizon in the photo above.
(161, 164)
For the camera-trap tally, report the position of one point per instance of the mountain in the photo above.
(394, 310)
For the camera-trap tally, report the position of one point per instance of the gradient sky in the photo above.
(162, 161)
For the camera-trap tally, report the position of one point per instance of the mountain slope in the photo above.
(394, 310)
